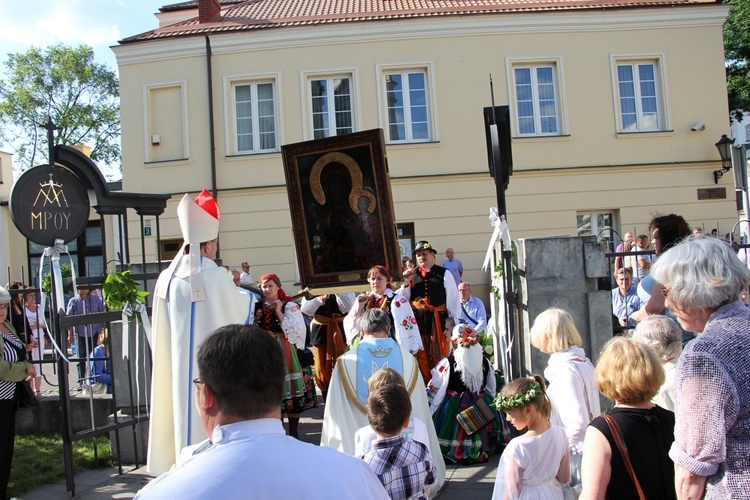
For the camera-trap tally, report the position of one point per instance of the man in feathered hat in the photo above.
(192, 298)
(434, 298)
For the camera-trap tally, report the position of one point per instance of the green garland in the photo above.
(504, 403)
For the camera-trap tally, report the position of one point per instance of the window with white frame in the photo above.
(254, 118)
(537, 99)
(639, 95)
(747, 133)
(332, 105)
(407, 106)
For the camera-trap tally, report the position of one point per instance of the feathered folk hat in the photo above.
(424, 245)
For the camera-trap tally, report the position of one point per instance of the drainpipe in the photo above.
(211, 135)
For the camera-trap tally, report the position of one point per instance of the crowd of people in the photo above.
(679, 426)
(407, 384)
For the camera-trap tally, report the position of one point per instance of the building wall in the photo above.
(12, 244)
(443, 186)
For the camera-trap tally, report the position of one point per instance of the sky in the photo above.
(98, 23)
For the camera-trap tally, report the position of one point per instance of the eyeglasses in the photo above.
(666, 290)
(198, 383)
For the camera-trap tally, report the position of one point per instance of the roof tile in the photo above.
(265, 14)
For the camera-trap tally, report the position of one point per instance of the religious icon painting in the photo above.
(342, 208)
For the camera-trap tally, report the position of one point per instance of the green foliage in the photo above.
(504, 403)
(47, 279)
(737, 55)
(120, 289)
(37, 460)
(499, 272)
(65, 84)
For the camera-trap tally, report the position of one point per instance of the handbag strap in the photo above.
(613, 428)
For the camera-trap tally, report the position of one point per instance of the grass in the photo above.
(38, 460)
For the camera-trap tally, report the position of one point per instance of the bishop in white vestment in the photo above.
(192, 298)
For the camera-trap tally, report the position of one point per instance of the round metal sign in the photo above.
(48, 203)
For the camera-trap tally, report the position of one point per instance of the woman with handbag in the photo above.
(13, 369)
(625, 453)
(572, 389)
(461, 392)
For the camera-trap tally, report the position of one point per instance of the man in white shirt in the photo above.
(246, 277)
(238, 395)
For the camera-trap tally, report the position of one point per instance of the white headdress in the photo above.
(199, 222)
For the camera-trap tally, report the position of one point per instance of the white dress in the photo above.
(529, 466)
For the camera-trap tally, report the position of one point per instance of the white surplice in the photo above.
(345, 413)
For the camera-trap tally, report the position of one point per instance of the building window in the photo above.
(332, 106)
(599, 224)
(407, 106)
(639, 85)
(537, 109)
(254, 117)
(747, 133)
(86, 253)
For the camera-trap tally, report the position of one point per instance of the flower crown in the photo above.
(520, 400)
(464, 336)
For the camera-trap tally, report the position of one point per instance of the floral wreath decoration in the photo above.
(520, 400)
(464, 336)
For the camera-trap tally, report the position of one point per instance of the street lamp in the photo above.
(725, 151)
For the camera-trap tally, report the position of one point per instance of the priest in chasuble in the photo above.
(347, 394)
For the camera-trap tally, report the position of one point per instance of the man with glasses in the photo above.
(248, 454)
(473, 312)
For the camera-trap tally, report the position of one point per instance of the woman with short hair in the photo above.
(629, 373)
(664, 336)
(702, 280)
(572, 389)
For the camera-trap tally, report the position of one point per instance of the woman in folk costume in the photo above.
(192, 298)
(278, 314)
(398, 308)
(463, 380)
(326, 334)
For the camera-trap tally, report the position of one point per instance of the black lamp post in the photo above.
(725, 151)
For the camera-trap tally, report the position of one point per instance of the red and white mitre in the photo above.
(199, 222)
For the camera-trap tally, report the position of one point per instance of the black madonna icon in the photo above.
(48, 203)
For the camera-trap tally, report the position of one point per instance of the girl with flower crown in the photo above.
(463, 385)
(383, 297)
(535, 465)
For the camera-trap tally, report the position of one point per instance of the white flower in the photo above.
(489, 350)
(492, 358)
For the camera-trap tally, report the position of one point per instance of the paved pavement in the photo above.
(461, 481)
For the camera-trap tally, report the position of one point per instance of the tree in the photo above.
(737, 55)
(65, 84)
